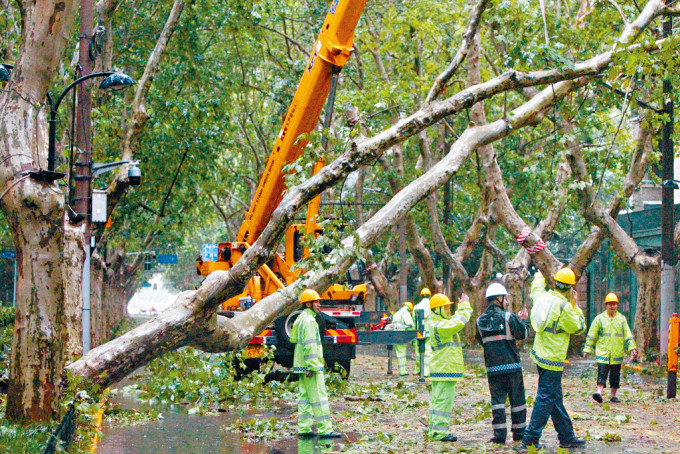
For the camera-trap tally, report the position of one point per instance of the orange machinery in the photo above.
(332, 50)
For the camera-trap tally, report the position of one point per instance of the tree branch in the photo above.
(442, 80)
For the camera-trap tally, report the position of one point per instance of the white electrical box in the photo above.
(98, 205)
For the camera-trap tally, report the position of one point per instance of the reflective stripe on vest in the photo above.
(546, 362)
(504, 367)
(446, 374)
(507, 336)
(553, 329)
(448, 344)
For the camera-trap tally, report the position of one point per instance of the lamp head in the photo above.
(5, 72)
(116, 81)
(670, 184)
(134, 174)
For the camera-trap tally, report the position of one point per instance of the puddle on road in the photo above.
(183, 433)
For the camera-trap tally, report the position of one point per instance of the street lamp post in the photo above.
(113, 80)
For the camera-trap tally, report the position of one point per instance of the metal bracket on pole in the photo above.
(99, 168)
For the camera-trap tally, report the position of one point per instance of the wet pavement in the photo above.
(177, 431)
(184, 433)
(644, 421)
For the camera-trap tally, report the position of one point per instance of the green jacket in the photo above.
(554, 319)
(447, 352)
(308, 355)
(610, 336)
(403, 317)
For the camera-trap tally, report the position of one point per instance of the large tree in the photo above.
(36, 213)
(192, 320)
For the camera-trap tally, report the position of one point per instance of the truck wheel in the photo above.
(282, 326)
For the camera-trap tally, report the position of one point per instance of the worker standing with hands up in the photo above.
(555, 317)
(446, 367)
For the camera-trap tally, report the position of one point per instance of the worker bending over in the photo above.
(555, 316)
(497, 331)
(402, 320)
(308, 363)
(611, 336)
(446, 366)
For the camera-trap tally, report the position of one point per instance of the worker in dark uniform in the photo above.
(497, 331)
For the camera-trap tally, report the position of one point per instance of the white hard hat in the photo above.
(495, 289)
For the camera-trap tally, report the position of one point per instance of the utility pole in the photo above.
(667, 215)
(83, 164)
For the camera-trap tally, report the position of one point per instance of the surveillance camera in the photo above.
(134, 175)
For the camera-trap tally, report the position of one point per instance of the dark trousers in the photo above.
(549, 404)
(502, 386)
(611, 370)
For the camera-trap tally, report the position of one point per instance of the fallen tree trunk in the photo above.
(192, 319)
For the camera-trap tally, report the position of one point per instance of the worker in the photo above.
(497, 331)
(308, 363)
(423, 305)
(402, 320)
(555, 316)
(446, 366)
(611, 336)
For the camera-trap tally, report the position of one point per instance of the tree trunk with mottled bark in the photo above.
(647, 311)
(35, 212)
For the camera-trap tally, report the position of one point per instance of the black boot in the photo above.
(450, 437)
(575, 443)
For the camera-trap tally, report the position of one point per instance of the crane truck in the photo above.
(342, 303)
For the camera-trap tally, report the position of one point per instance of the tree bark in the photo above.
(35, 213)
(646, 266)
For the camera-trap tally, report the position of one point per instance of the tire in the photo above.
(282, 326)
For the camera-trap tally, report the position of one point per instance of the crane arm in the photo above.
(331, 51)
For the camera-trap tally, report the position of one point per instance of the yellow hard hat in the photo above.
(409, 305)
(611, 298)
(565, 276)
(439, 300)
(309, 295)
(425, 291)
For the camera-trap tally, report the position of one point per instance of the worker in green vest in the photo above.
(555, 317)
(446, 366)
(610, 335)
(423, 305)
(308, 363)
(402, 320)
